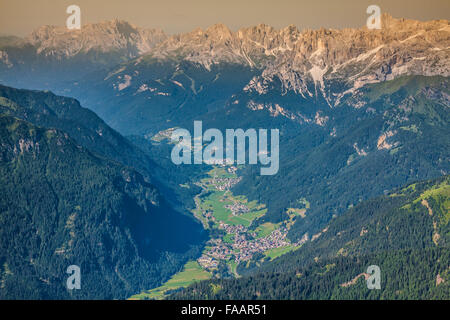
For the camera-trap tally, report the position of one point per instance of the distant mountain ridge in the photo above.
(104, 36)
(358, 56)
(318, 66)
(294, 57)
(52, 54)
(360, 111)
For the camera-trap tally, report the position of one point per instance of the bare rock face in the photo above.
(350, 58)
(353, 56)
(52, 55)
(106, 36)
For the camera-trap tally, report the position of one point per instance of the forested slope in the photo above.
(406, 233)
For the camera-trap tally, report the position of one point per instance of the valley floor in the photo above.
(234, 237)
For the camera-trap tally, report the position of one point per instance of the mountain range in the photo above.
(72, 197)
(363, 116)
(51, 54)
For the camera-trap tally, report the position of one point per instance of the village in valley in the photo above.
(238, 240)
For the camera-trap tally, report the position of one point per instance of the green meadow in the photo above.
(191, 273)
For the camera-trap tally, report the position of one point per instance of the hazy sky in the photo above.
(20, 17)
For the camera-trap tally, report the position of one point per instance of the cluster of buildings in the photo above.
(230, 229)
(243, 244)
(209, 215)
(241, 249)
(207, 262)
(246, 249)
(223, 184)
(232, 169)
(237, 208)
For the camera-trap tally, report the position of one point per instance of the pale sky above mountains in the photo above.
(20, 17)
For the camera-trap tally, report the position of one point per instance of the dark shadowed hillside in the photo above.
(61, 205)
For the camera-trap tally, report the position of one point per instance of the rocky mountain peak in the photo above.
(104, 36)
(353, 57)
(219, 31)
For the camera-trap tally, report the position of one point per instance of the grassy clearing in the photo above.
(327, 269)
(233, 265)
(441, 195)
(442, 190)
(277, 252)
(191, 273)
(412, 128)
(297, 212)
(265, 229)
(220, 172)
(216, 202)
(293, 213)
(215, 288)
(304, 204)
